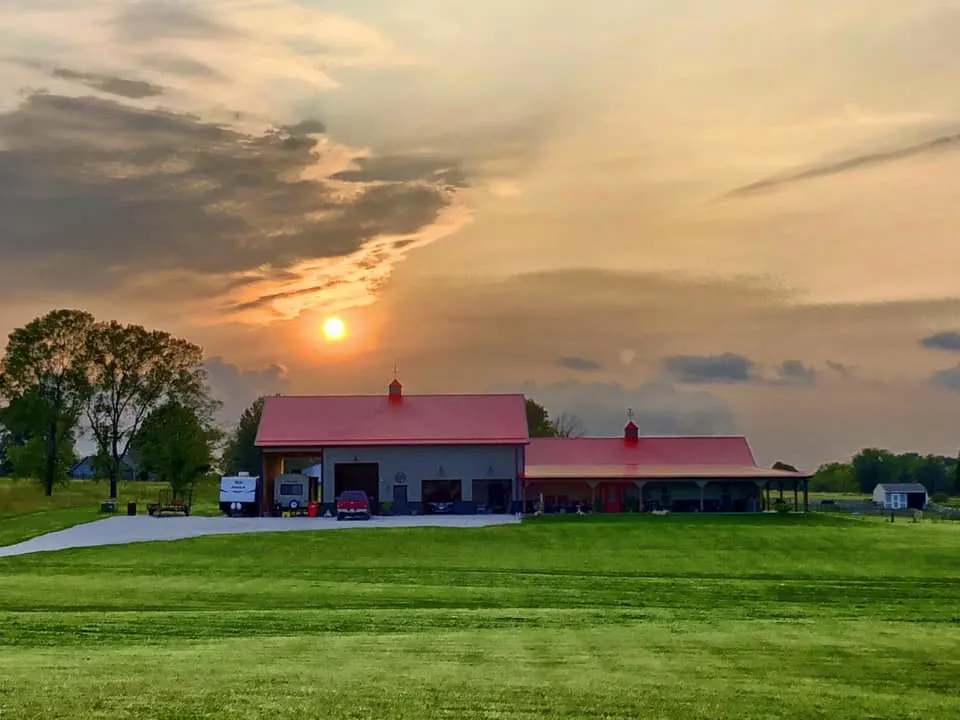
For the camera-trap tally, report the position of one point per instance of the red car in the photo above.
(353, 504)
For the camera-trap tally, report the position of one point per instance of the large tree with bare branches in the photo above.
(568, 425)
(133, 372)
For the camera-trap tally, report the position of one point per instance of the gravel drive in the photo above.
(124, 530)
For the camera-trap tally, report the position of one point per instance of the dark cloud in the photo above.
(265, 300)
(794, 372)
(173, 19)
(859, 162)
(658, 407)
(306, 127)
(182, 66)
(133, 89)
(93, 191)
(579, 363)
(942, 341)
(237, 388)
(403, 169)
(839, 368)
(701, 369)
(948, 379)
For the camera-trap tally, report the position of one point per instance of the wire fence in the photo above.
(932, 511)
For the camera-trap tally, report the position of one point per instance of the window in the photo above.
(291, 489)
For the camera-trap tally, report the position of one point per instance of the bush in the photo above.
(782, 507)
(940, 498)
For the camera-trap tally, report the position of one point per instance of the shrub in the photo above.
(782, 507)
(940, 498)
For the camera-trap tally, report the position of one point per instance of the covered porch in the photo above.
(617, 489)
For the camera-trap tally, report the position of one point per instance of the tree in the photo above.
(44, 377)
(135, 371)
(568, 425)
(5, 466)
(931, 472)
(956, 474)
(27, 450)
(176, 442)
(834, 477)
(538, 420)
(874, 466)
(240, 453)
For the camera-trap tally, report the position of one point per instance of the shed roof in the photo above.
(367, 420)
(903, 487)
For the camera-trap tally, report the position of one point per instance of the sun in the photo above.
(334, 329)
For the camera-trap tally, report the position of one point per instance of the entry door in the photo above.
(400, 500)
(613, 499)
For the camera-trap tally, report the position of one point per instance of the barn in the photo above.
(467, 454)
(419, 453)
(634, 472)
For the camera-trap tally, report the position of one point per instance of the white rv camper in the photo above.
(239, 495)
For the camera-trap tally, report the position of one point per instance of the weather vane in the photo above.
(630, 414)
(394, 371)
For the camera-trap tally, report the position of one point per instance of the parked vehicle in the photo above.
(239, 495)
(291, 493)
(353, 504)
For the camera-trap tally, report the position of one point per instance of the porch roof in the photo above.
(650, 472)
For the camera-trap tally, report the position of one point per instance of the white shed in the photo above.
(900, 496)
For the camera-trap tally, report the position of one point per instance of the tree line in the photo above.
(128, 388)
(939, 474)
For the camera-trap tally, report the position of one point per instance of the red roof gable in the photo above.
(356, 420)
(659, 451)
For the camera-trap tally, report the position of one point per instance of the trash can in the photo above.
(313, 509)
(131, 509)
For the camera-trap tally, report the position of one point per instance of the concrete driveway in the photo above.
(124, 530)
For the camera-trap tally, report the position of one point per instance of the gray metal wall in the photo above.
(458, 462)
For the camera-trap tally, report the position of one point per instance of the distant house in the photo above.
(901, 496)
(87, 469)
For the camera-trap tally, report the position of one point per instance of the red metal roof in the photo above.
(655, 472)
(358, 420)
(647, 450)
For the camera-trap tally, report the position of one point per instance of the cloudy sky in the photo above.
(730, 215)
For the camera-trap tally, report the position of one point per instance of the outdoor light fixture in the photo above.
(440, 471)
(490, 471)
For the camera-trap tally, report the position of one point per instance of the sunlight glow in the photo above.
(334, 329)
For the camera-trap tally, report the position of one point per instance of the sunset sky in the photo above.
(730, 215)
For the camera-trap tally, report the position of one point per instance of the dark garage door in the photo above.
(358, 476)
(440, 495)
(493, 494)
(915, 500)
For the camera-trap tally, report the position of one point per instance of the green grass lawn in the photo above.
(26, 512)
(618, 617)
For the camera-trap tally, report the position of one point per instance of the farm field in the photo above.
(616, 617)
